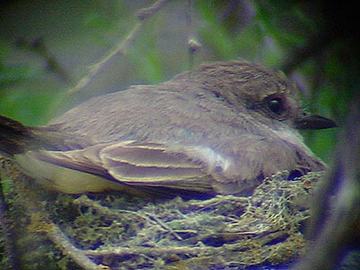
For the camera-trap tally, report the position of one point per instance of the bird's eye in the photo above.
(276, 105)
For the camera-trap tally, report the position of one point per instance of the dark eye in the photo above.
(276, 105)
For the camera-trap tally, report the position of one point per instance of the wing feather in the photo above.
(140, 164)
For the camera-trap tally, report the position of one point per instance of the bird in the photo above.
(221, 128)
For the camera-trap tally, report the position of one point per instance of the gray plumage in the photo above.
(207, 130)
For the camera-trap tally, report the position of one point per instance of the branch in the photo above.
(8, 232)
(315, 45)
(193, 44)
(334, 225)
(79, 257)
(156, 251)
(85, 201)
(121, 48)
(40, 222)
(39, 47)
(146, 13)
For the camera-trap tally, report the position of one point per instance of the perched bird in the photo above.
(221, 128)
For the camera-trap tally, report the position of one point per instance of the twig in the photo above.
(61, 241)
(218, 199)
(146, 13)
(315, 45)
(119, 251)
(7, 232)
(164, 226)
(39, 47)
(189, 250)
(85, 201)
(41, 224)
(121, 48)
(335, 227)
(193, 44)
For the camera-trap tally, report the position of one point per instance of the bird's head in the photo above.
(267, 95)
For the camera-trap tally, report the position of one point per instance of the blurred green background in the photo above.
(47, 46)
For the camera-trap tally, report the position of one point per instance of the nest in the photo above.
(120, 231)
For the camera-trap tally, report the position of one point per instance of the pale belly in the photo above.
(62, 179)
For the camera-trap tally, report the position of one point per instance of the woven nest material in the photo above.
(120, 231)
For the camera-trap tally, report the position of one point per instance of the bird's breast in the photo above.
(216, 161)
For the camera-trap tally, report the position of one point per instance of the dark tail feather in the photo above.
(14, 137)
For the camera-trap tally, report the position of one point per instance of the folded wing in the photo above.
(140, 164)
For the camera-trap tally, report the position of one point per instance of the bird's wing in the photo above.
(142, 164)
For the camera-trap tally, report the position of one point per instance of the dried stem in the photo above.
(119, 251)
(40, 223)
(335, 224)
(164, 226)
(121, 48)
(39, 47)
(7, 232)
(85, 201)
(189, 250)
(61, 241)
(146, 13)
(193, 44)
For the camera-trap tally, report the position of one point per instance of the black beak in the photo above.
(314, 122)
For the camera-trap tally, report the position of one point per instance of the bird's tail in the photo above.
(14, 136)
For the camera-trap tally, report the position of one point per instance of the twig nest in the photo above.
(127, 232)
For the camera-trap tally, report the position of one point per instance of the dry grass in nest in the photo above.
(120, 231)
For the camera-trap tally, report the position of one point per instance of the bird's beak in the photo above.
(314, 122)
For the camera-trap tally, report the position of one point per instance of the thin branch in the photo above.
(146, 13)
(8, 233)
(314, 46)
(85, 201)
(121, 48)
(40, 223)
(120, 251)
(193, 44)
(61, 241)
(189, 250)
(164, 226)
(39, 47)
(334, 225)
